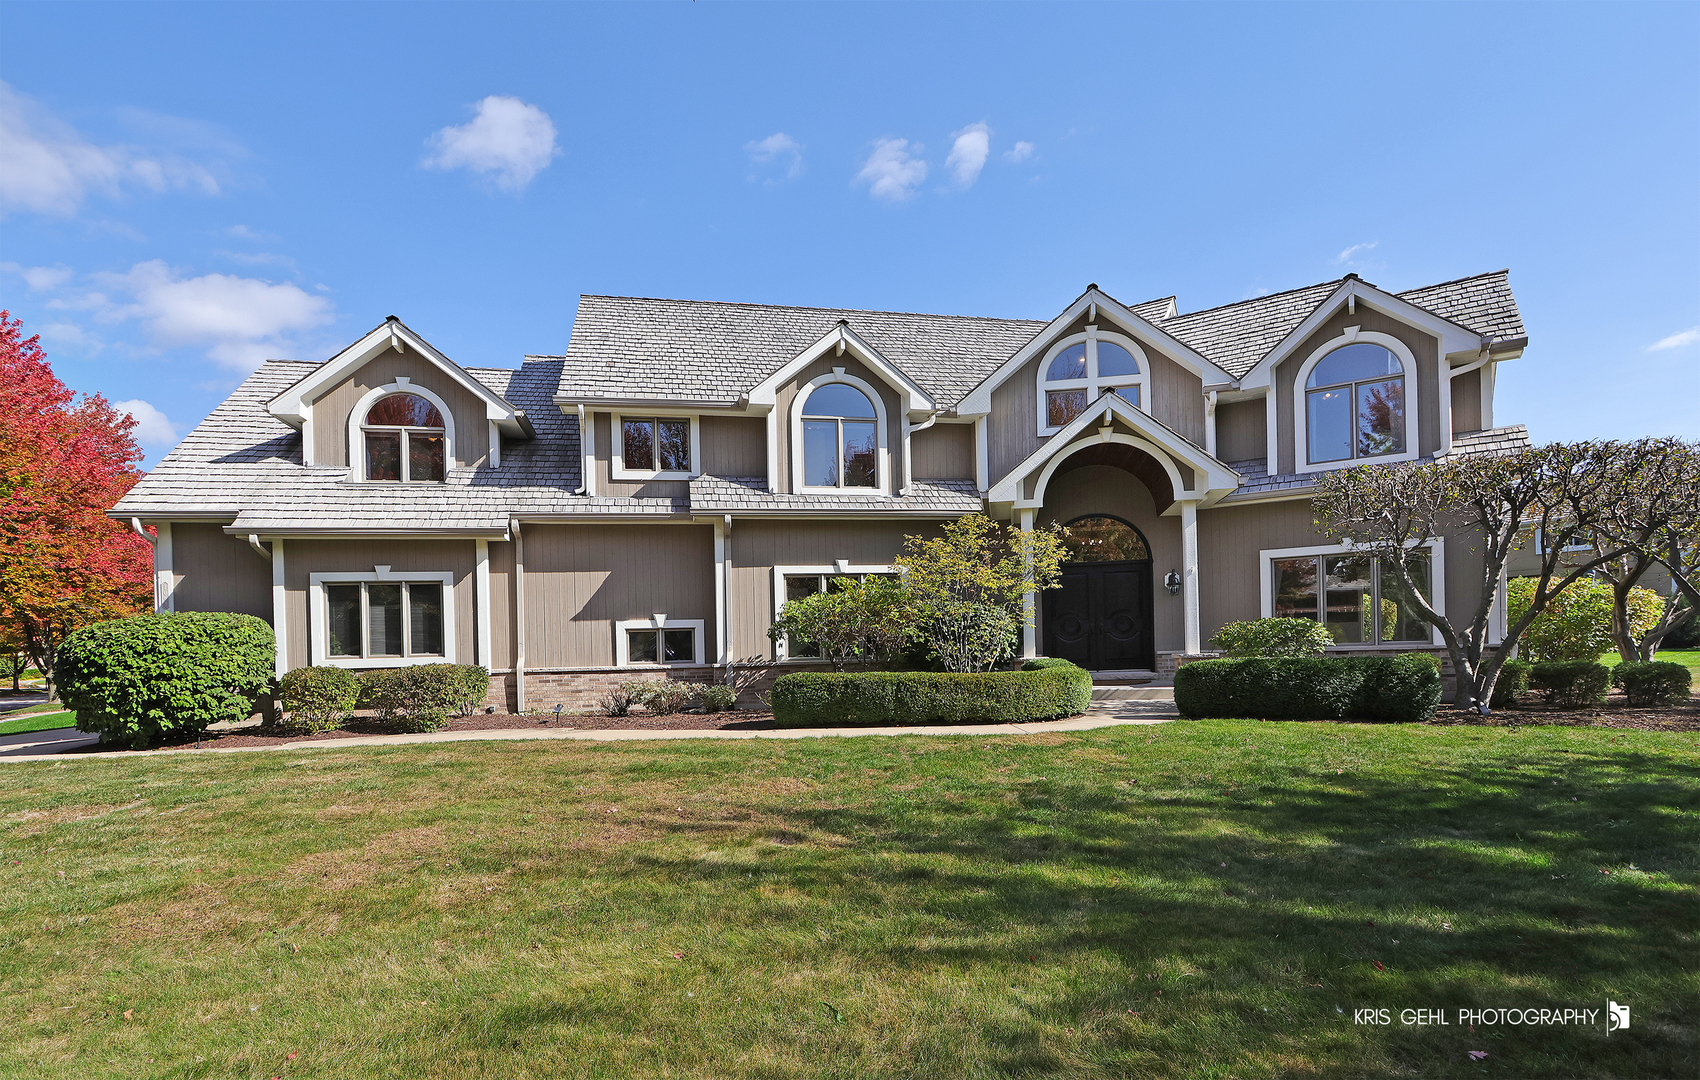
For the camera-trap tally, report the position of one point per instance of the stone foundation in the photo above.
(581, 691)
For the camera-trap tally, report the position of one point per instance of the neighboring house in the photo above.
(648, 501)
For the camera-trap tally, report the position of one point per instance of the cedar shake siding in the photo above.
(544, 533)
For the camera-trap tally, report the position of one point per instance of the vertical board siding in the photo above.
(1177, 396)
(758, 546)
(502, 604)
(787, 394)
(1425, 348)
(1467, 401)
(1229, 566)
(1012, 429)
(1105, 489)
(944, 450)
(580, 579)
(330, 411)
(216, 572)
(303, 558)
(1242, 430)
(602, 430)
(734, 446)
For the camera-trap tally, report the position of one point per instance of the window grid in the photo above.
(1352, 595)
(405, 440)
(363, 619)
(1081, 373)
(798, 586)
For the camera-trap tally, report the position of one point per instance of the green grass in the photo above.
(1689, 658)
(38, 718)
(1190, 900)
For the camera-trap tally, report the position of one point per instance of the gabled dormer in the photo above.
(391, 408)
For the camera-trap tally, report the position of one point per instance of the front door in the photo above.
(1101, 616)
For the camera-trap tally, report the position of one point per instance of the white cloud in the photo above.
(1676, 341)
(154, 429)
(46, 166)
(508, 142)
(890, 172)
(73, 337)
(40, 278)
(968, 153)
(240, 321)
(1018, 153)
(1348, 256)
(243, 232)
(777, 149)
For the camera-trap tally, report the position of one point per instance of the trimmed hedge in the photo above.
(1513, 680)
(1273, 637)
(148, 678)
(319, 698)
(1572, 684)
(1385, 689)
(1655, 682)
(423, 697)
(900, 698)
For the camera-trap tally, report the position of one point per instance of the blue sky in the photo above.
(188, 189)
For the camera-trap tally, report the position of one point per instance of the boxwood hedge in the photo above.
(1376, 688)
(1655, 682)
(1041, 691)
(1571, 684)
(146, 679)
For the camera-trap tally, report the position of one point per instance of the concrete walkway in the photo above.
(52, 745)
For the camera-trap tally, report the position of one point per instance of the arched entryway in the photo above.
(1101, 616)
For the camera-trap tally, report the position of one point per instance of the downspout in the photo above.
(1210, 422)
(259, 549)
(585, 461)
(909, 446)
(1477, 364)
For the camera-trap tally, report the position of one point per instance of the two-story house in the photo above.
(649, 500)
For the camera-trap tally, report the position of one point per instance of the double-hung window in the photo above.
(658, 642)
(1358, 599)
(384, 620)
(655, 446)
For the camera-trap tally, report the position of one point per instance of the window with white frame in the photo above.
(840, 438)
(658, 642)
(1080, 368)
(795, 583)
(379, 620)
(1354, 596)
(405, 439)
(655, 447)
(1355, 404)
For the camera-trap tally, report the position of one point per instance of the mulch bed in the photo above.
(1616, 712)
(730, 721)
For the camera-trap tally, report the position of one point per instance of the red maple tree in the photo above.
(63, 463)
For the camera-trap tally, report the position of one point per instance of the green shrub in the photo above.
(662, 697)
(717, 699)
(423, 697)
(1403, 688)
(143, 680)
(1657, 682)
(1273, 637)
(1571, 684)
(1513, 680)
(1040, 663)
(319, 698)
(901, 698)
(1576, 624)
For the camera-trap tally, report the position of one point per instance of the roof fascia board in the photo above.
(1453, 338)
(978, 401)
(1111, 405)
(285, 532)
(291, 405)
(916, 400)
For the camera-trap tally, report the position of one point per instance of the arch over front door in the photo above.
(1101, 617)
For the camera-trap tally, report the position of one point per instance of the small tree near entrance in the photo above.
(967, 588)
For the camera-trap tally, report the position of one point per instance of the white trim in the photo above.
(587, 449)
(1437, 582)
(882, 436)
(982, 457)
(617, 450)
(721, 548)
(1092, 383)
(1189, 575)
(481, 597)
(318, 617)
(1413, 401)
(357, 426)
(164, 576)
(841, 568)
(622, 657)
(495, 445)
(841, 339)
(1490, 374)
(280, 608)
(1029, 602)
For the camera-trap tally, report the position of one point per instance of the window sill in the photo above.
(1348, 463)
(870, 492)
(625, 474)
(377, 662)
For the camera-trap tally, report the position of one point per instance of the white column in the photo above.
(1189, 572)
(720, 635)
(519, 615)
(280, 607)
(1030, 631)
(982, 457)
(164, 578)
(481, 598)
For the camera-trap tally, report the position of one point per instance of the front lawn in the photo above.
(42, 718)
(1196, 899)
(1689, 658)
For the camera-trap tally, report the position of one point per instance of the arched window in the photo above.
(840, 438)
(1355, 404)
(1100, 538)
(1081, 368)
(404, 439)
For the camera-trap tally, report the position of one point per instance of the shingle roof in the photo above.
(1237, 336)
(742, 494)
(1483, 303)
(1259, 481)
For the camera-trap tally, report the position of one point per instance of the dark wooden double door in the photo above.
(1101, 616)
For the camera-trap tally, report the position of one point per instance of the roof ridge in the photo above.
(805, 307)
(1256, 299)
(1456, 281)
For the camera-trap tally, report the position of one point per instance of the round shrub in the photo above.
(423, 697)
(1403, 688)
(1513, 680)
(716, 699)
(1576, 624)
(147, 679)
(1571, 684)
(319, 698)
(1273, 637)
(901, 698)
(1657, 682)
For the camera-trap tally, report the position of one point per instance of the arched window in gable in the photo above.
(841, 439)
(1080, 368)
(1355, 404)
(405, 440)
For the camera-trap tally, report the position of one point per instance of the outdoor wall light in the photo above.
(1172, 583)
